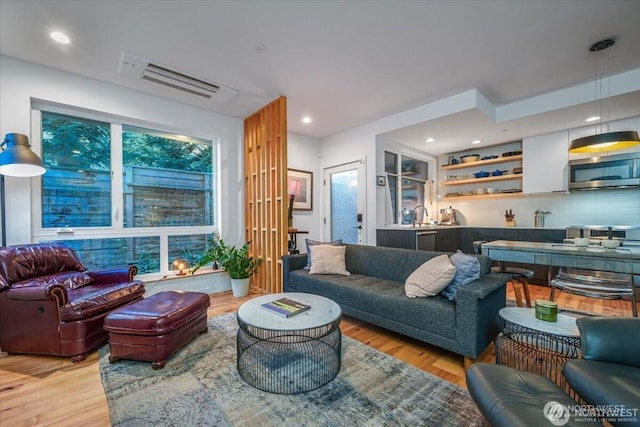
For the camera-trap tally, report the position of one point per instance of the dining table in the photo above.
(620, 260)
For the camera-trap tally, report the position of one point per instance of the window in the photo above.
(407, 179)
(123, 194)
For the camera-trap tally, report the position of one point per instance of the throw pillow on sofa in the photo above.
(328, 259)
(467, 270)
(430, 278)
(314, 243)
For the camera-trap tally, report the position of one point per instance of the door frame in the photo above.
(361, 166)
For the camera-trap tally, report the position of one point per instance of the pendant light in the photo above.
(608, 141)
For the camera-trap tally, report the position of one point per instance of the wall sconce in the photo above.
(16, 159)
(180, 267)
(607, 141)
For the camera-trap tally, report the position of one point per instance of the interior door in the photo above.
(344, 195)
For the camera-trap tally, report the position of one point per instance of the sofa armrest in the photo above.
(611, 339)
(290, 263)
(56, 292)
(121, 275)
(477, 307)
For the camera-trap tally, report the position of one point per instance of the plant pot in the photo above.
(240, 287)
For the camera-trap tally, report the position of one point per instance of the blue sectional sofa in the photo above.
(374, 292)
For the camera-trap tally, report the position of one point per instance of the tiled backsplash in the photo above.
(607, 207)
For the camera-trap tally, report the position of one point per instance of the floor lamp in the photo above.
(16, 159)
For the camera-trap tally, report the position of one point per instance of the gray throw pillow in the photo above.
(314, 242)
(467, 270)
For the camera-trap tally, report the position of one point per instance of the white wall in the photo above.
(614, 207)
(303, 153)
(22, 82)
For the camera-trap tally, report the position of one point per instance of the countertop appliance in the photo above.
(605, 172)
(448, 216)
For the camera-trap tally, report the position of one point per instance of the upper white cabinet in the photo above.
(545, 163)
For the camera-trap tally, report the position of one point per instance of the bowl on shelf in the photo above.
(481, 174)
(496, 173)
(491, 190)
(581, 241)
(610, 243)
(468, 158)
(481, 191)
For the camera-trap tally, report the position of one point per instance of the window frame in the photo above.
(117, 229)
(399, 176)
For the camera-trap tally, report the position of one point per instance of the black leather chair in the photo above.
(609, 371)
(607, 374)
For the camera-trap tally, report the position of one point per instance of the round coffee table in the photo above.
(289, 355)
(537, 346)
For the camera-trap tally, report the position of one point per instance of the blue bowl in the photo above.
(481, 174)
(497, 173)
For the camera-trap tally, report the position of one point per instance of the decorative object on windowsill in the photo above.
(603, 141)
(510, 218)
(213, 254)
(16, 159)
(180, 267)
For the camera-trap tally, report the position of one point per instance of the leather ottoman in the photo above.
(154, 328)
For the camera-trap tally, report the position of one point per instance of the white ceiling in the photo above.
(346, 63)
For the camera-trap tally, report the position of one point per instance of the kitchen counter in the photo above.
(449, 227)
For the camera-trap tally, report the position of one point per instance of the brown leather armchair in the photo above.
(50, 304)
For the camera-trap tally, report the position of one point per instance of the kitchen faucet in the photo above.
(415, 214)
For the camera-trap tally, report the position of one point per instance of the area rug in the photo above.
(200, 386)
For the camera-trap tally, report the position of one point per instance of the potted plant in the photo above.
(239, 265)
(214, 253)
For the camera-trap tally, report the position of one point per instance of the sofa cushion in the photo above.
(328, 259)
(311, 243)
(68, 279)
(385, 298)
(21, 262)
(430, 278)
(467, 270)
(91, 300)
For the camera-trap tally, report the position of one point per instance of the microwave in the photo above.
(605, 172)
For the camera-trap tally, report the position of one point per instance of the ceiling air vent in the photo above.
(175, 84)
(173, 79)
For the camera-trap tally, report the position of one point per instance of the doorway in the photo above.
(344, 193)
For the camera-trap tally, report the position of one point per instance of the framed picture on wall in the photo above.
(300, 185)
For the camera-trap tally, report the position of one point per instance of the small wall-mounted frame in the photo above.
(300, 184)
(382, 180)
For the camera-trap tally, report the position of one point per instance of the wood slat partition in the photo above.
(265, 169)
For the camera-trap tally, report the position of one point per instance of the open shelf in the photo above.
(483, 162)
(484, 196)
(481, 180)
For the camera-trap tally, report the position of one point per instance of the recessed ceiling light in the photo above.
(60, 37)
(429, 140)
(477, 141)
(592, 119)
(259, 46)
(306, 120)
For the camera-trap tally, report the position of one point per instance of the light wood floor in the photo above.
(52, 391)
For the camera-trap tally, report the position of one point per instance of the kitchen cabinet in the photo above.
(404, 239)
(447, 240)
(546, 161)
(424, 240)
